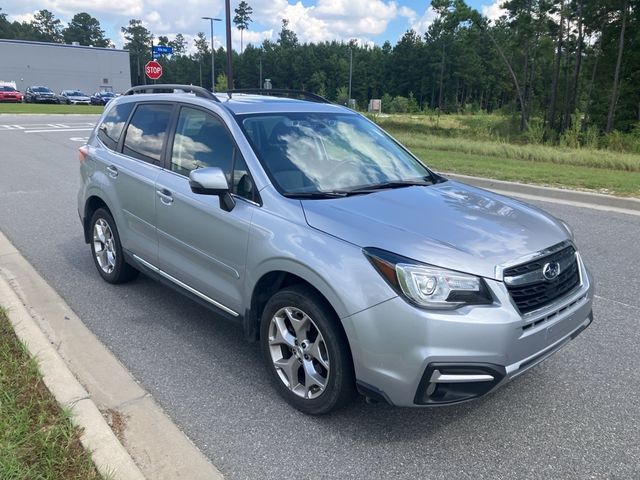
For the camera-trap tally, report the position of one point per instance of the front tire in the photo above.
(306, 352)
(107, 249)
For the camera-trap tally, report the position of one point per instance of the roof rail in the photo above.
(281, 92)
(170, 88)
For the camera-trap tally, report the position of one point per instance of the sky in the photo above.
(368, 21)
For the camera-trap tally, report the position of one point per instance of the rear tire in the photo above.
(107, 249)
(306, 351)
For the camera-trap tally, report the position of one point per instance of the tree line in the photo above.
(555, 64)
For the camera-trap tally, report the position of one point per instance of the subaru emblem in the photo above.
(551, 270)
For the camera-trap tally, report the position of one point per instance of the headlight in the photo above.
(427, 286)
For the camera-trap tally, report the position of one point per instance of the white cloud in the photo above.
(320, 21)
(421, 24)
(154, 22)
(494, 11)
(407, 12)
(22, 17)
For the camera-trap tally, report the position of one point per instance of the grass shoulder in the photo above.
(37, 439)
(454, 143)
(610, 182)
(48, 109)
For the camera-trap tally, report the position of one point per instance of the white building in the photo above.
(64, 67)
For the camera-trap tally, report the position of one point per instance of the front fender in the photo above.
(336, 268)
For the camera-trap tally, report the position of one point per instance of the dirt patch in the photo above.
(117, 421)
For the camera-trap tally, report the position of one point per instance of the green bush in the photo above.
(386, 103)
(591, 138)
(399, 105)
(535, 132)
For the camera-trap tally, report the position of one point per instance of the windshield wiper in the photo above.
(361, 190)
(389, 185)
(315, 194)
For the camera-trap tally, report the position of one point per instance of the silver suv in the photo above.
(356, 267)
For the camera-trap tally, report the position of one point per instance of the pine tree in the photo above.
(242, 20)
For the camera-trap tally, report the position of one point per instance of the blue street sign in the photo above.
(162, 50)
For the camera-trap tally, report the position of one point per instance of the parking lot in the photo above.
(573, 416)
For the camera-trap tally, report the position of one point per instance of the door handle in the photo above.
(165, 196)
(112, 171)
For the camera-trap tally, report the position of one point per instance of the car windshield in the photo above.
(7, 89)
(327, 153)
(75, 93)
(41, 89)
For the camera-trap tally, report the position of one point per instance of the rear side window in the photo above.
(111, 127)
(147, 131)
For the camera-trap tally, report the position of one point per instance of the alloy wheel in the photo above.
(299, 352)
(104, 246)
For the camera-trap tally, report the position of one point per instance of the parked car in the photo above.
(40, 94)
(102, 98)
(9, 94)
(356, 267)
(74, 97)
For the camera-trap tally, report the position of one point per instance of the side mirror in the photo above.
(212, 181)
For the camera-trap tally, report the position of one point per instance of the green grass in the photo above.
(46, 108)
(475, 145)
(37, 439)
(612, 182)
(600, 159)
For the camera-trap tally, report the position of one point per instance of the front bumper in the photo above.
(45, 100)
(410, 357)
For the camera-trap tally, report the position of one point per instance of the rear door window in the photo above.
(111, 127)
(147, 131)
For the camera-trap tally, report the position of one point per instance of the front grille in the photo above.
(531, 296)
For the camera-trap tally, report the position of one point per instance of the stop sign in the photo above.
(153, 70)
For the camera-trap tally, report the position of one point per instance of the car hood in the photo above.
(78, 97)
(450, 225)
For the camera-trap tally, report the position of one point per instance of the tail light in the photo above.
(82, 153)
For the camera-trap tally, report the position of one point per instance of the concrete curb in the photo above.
(550, 193)
(89, 378)
(108, 454)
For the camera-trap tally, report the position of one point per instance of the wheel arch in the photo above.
(275, 280)
(93, 203)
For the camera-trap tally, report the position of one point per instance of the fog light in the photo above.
(454, 383)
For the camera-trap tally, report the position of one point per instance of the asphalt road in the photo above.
(574, 416)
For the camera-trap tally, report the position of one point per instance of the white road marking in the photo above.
(60, 130)
(634, 307)
(48, 127)
(79, 139)
(571, 203)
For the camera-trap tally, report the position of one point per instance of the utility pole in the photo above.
(350, 73)
(213, 64)
(227, 8)
(260, 84)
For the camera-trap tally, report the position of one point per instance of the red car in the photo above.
(9, 94)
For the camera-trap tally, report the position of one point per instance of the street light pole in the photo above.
(213, 64)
